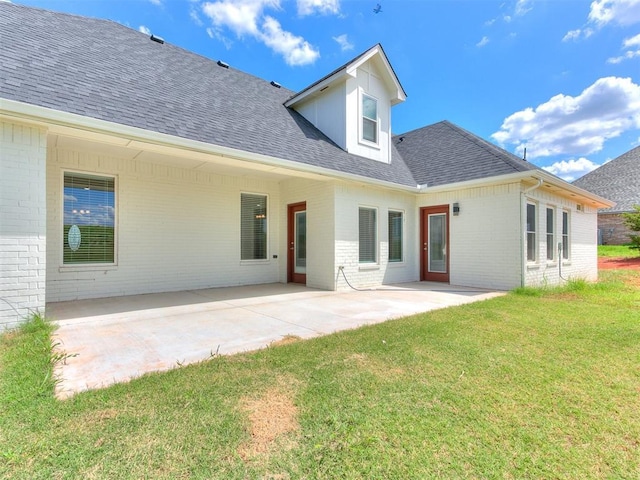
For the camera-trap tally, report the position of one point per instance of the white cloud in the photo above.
(603, 12)
(295, 50)
(344, 42)
(523, 7)
(193, 14)
(571, 170)
(156, 2)
(622, 12)
(483, 42)
(144, 30)
(324, 7)
(633, 46)
(247, 18)
(566, 125)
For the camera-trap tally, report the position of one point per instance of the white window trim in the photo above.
(375, 264)
(256, 261)
(76, 267)
(402, 260)
(536, 232)
(361, 138)
(568, 259)
(554, 234)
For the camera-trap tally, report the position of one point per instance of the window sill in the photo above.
(396, 264)
(89, 267)
(369, 144)
(255, 262)
(369, 266)
(533, 266)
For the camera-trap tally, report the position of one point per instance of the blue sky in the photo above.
(559, 77)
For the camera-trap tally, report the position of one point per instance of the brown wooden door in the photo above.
(434, 243)
(297, 243)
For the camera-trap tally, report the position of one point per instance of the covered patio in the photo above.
(112, 340)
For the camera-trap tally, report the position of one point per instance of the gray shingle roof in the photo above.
(445, 153)
(104, 70)
(617, 180)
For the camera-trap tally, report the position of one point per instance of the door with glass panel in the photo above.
(297, 243)
(434, 243)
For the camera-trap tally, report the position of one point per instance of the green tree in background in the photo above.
(632, 220)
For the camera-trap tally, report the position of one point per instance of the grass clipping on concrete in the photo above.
(542, 383)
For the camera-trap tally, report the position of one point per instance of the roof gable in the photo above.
(349, 69)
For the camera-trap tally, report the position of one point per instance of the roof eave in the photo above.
(576, 193)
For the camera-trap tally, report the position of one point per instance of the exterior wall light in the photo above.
(456, 209)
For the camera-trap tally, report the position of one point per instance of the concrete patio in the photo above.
(113, 340)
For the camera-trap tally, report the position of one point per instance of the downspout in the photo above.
(523, 230)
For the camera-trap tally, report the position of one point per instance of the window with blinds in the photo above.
(89, 219)
(532, 240)
(565, 235)
(395, 236)
(369, 119)
(253, 227)
(367, 235)
(551, 237)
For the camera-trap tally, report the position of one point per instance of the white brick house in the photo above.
(123, 174)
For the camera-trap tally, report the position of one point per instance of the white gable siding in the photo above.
(368, 81)
(22, 222)
(177, 229)
(320, 229)
(583, 260)
(485, 247)
(327, 112)
(349, 198)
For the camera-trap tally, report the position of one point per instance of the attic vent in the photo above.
(223, 64)
(275, 84)
(155, 38)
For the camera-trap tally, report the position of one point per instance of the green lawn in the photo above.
(620, 251)
(536, 384)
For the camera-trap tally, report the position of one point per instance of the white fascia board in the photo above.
(315, 89)
(534, 175)
(47, 117)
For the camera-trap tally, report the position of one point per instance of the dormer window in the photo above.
(369, 119)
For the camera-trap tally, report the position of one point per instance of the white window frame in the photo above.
(550, 236)
(375, 250)
(89, 265)
(266, 219)
(362, 117)
(533, 232)
(566, 237)
(402, 217)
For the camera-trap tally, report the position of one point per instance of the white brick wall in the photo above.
(320, 229)
(484, 237)
(176, 229)
(349, 198)
(583, 259)
(22, 222)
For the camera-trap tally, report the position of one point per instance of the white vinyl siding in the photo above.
(253, 229)
(368, 238)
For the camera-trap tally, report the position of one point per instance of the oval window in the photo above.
(74, 238)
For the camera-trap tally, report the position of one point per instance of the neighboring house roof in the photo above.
(444, 153)
(617, 180)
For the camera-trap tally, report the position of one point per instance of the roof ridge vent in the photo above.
(156, 38)
(275, 84)
(222, 64)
